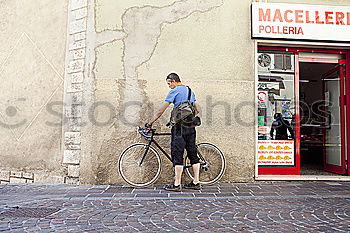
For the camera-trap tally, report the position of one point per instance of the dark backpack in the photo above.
(184, 111)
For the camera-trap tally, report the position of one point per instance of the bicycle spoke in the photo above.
(135, 173)
(212, 167)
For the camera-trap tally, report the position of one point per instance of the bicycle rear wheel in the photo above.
(135, 173)
(212, 162)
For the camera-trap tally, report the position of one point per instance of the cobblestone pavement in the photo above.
(241, 207)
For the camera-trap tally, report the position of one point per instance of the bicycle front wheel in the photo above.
(212, 162)
(136, 173)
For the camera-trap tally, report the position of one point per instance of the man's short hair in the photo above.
(173, 76)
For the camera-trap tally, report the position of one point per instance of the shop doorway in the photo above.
(322, 124)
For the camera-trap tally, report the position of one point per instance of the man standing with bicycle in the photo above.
(183, 135)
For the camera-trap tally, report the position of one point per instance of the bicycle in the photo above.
(140, 164)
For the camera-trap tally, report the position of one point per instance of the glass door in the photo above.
(334, 127)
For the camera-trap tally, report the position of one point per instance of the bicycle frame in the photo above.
(151, 140)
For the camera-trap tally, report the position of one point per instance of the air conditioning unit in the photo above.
(275, 63)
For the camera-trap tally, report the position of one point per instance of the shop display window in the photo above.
(276, 109)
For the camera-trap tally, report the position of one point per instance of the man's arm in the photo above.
(196, 109)
(159, 113)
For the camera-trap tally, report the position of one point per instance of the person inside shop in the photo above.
(281, 127)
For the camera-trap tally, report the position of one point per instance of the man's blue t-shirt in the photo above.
(179, 95)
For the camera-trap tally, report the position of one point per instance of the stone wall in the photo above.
(73, 96)
(19, 177)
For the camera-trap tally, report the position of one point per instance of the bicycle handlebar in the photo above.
(145, 131)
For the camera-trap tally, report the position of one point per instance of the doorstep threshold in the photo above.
(302, 178)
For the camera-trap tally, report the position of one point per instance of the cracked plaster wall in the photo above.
(207, 42)
(32, 56)
(213, 53)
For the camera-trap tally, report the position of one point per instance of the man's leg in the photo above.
(177, 150)
(178, 174)
(193, 157)
(196, 168)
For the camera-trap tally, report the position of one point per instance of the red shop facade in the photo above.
(302, 91)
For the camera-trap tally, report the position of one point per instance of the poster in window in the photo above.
(275, 152)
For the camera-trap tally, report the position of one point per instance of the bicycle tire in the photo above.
(130, 169)
(215, 167)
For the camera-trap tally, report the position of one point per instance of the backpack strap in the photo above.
(189, 93)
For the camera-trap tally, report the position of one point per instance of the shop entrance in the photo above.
(322, 129)
(302, 112)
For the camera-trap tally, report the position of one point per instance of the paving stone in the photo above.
(80, 36)
(176, 194)
(14, 180)
(28, 175)
(77, 26)
(204, 194)
(73, 170)
(71, 156)
(101, 195)
(242, 194)
(5, 175)
(151, 195)
(76, 4)
(16, 174)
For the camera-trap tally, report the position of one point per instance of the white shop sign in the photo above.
(298, 21)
